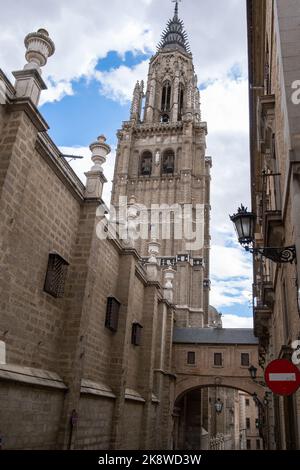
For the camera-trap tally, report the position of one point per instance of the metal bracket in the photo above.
(278, 255)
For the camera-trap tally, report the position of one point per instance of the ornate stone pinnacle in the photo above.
(39, 47)
(99, 150)
(153, 250)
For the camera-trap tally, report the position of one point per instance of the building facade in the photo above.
(74, 368)
(274, 72)
(105, 316)
(249, 435)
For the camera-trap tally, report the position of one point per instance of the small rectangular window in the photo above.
(191, 358)
(136, 334)
(247, 402)
(248, 444)
(56, 275)
(257, 444)
(248, 423)
(218, 360)
(112, 314)
(245, 359)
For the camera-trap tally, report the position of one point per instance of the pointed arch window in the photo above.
(166, 97)
(146, 163)
(168, 162)
(180, 101)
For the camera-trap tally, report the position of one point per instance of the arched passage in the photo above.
(187, 383)
(218, 415)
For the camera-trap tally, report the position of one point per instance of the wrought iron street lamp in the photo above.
(253, 374)
(244, 223)
(218, 406)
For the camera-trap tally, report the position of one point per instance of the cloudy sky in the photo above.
(102, 48)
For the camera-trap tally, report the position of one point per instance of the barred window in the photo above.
(136, 334)
(56, 275)
(112, 314)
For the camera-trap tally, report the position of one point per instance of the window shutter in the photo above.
(218, 360)
(191, 357)
(245, 359)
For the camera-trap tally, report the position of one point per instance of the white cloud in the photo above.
(117, 84)
(85, 32)
(234, 321)
(230, 292)
(56, 92)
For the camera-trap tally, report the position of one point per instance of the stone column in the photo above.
(151, 99)
(175, 97)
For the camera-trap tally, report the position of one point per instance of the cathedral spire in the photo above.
(174, 35)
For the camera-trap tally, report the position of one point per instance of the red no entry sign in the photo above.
(282, 377)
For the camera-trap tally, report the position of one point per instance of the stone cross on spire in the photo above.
(176, 7)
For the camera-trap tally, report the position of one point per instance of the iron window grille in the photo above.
(191, 358)
(112, 314)
(56, 275)
(136, 334)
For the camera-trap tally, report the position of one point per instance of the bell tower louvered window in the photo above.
(168, 162)
(146, 163)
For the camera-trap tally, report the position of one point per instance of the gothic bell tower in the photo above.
(161, 162)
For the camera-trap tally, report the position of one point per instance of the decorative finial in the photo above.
(39, 47)
(99, 150)
(29, 82)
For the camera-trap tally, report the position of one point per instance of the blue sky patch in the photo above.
(80, 118)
